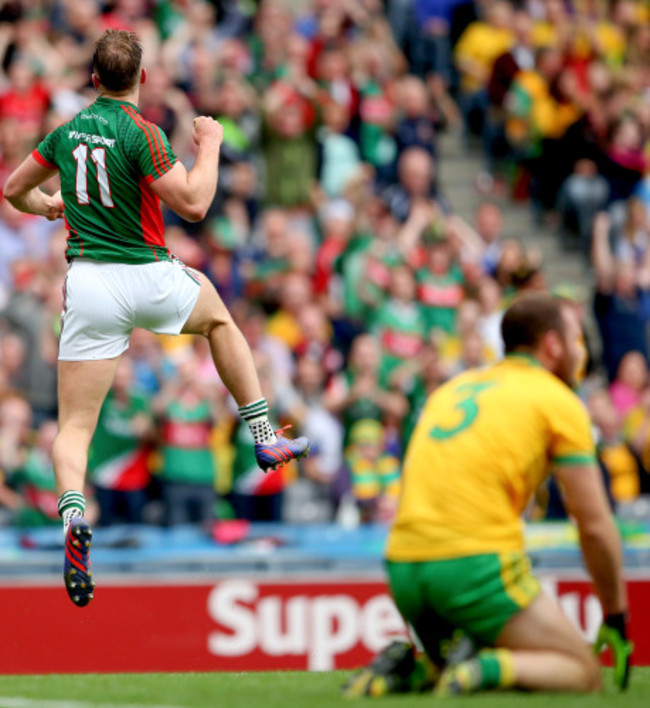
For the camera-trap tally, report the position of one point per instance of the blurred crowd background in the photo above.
(332, 239)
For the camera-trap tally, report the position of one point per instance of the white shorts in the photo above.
(103, 302)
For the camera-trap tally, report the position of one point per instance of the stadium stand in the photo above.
(392, 175)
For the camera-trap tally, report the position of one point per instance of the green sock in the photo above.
(71, 500)
(497, 668)
(71, 504)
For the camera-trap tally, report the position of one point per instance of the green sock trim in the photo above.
(256, 409)
(71, 500)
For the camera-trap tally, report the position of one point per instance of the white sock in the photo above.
(68, 515)
(256, 415)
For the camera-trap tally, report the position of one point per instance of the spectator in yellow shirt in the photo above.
(374, 472)
(475, 53)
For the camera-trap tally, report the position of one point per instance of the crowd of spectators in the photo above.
(358, 286)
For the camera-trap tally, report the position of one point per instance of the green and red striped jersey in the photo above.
(107, 157)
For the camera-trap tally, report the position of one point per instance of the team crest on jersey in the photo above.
(93, 116)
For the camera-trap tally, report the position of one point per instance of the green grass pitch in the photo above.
(266, 690)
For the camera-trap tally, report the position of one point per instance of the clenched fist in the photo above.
(54, 207)
(207, 129)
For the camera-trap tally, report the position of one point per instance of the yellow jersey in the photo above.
(482, 44)
(484, 443)
(623, 471)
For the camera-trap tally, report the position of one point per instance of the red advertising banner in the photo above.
(235, 625)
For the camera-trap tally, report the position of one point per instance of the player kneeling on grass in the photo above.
(115, 168)
(485, 442)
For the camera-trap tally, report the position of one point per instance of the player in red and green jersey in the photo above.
(115, 167)
(111, 211)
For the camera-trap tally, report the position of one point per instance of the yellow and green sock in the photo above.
(497, 668)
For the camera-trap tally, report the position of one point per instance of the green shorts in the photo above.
(475, 595)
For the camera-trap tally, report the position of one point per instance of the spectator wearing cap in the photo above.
(374, 474)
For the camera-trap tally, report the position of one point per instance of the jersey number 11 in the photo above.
(98, 156)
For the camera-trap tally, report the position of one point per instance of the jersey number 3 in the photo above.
(98, 156)
(467, 405)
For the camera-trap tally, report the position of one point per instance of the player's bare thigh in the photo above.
(83, 386)
(209, 310)
(543, 627)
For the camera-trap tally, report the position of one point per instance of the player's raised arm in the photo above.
(21, 189)
(190, 194)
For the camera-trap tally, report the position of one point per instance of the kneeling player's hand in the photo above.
(613, 635)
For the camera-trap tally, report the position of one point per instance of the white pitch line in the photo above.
(17, 702)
